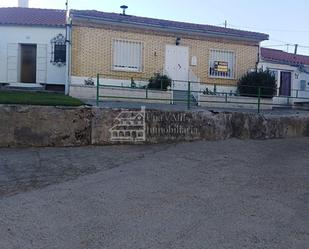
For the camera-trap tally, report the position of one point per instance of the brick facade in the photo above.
(92, 52)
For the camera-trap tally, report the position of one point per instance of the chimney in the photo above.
(124, 7)
(23, 3)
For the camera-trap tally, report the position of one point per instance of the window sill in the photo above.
(220, 77)
(126, 70)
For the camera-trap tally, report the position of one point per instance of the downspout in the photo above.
(68, 50)
(259, 58)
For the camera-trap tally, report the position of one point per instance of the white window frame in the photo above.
(127, 69)
(233, 77)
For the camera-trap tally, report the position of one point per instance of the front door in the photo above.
(285, 83)
(28, 63)
(177, 65)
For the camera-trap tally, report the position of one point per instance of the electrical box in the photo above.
(193, 61)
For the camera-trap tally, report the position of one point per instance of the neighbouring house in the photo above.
(291, 72)
(122, 47)
(33, 47)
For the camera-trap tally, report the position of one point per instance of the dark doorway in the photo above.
(285, 83)
(28, 63)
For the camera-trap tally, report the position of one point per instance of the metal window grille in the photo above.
(127, 55)
(222, 64)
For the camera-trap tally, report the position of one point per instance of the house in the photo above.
(33, 47)
(291, 72)
(122, 46)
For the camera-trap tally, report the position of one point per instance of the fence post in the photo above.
(259, 99)
(225, 97)
(146, 92)
(98, 88)
(189, 94)
(161, 84)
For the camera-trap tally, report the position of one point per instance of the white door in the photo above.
(12, 62)
(41, 66)
(177, 65)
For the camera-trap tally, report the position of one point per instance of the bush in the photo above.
(249, 84)
(159, 82)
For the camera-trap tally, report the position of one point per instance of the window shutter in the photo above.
(127, 55)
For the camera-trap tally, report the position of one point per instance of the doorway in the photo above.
(285, 83)
(177, 65)
(28, 63)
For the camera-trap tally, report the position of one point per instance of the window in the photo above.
(58, 50)
(127, 55)
(274, 73)
(222, 64)
(60, 53)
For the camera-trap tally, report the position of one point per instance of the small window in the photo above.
(60, 53)
(58, 50)
(222, 64)
(274, 73)
(127, 55)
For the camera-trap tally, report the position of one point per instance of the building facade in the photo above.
(33, 48)
(290, 70)
(121, 47)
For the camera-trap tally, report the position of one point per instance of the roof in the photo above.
(169, 25)
(275, 55)
(32, 17)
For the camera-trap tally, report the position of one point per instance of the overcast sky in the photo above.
(285, 21)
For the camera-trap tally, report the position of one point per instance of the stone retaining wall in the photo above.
(60, 126)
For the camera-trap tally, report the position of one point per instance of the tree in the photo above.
(250, 83)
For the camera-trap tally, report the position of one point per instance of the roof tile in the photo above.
(202, 28)
(32, 17)
(284, 57)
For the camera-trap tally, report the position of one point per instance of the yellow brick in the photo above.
(92, 52)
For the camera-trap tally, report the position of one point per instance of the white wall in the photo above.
(30, 35)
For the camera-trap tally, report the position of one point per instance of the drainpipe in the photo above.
(68, 49)
(259, 58)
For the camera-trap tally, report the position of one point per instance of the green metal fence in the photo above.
(196, 93)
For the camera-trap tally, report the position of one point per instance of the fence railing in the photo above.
(262, 97)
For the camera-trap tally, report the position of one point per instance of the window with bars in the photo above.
(60, 53)
(128, 55)
(222, 64)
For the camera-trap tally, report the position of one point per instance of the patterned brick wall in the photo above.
(92, 52)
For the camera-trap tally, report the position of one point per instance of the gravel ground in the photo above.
(227, 194)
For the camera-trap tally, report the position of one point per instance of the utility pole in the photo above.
(296, 48)
(225, 24)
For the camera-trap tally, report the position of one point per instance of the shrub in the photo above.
(249, 84)
(159, 81)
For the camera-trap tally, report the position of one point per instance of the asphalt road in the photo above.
(227, 194)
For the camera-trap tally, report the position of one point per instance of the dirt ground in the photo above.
(227, 194)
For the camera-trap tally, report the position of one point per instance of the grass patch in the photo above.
(38, 98)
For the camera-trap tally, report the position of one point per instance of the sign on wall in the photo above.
(221, 66)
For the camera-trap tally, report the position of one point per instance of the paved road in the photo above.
(227, 194)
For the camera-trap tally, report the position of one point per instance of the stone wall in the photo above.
(54, 126)
(44, 126)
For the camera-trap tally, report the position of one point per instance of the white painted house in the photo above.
(291, 72)
(33, 47)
